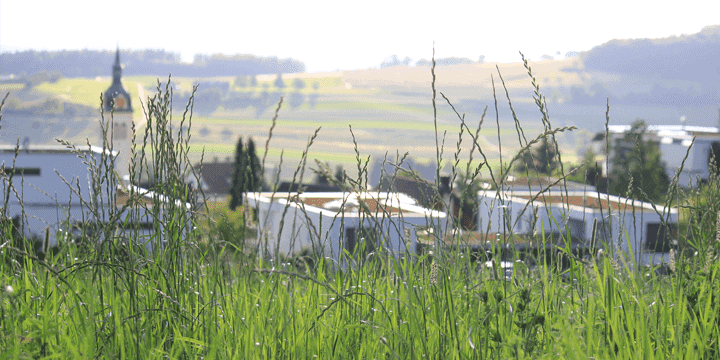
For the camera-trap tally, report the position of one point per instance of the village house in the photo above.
(642, 232)
(334, 222)
(215, 179)
(673, 142)
(50, 189)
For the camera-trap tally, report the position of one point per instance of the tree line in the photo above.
(394, 60)
(92, 63)
(50, 106)
(687, 57)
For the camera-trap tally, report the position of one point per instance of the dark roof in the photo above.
(217, 176)
(117, 89)
(421, 191)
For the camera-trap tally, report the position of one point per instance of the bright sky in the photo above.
(330, 35)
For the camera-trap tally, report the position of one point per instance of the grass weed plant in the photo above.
(185, 300)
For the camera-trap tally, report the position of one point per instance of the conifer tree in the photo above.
(238, 176)
(253, 171)
(246, 173)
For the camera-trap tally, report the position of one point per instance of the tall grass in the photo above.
(180, 293)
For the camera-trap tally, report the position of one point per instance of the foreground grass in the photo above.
(217, 310)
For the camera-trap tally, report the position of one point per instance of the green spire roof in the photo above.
(116, 90)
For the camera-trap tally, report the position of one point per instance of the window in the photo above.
(603, 235)
(577, 228)
(659, 238)
(120, 131)
(350, 239)
(365, 239)
(22, 171)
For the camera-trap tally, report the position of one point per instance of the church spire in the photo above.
(116, 94)
(117, 68)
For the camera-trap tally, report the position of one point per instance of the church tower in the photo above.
(119, 119)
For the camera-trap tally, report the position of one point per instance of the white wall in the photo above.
(521, 218)
(46, 201)
(627, 230)
(48, 187)
(324, 229)
(696, 164)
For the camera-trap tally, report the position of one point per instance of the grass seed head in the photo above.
(434, 269)
(717, 228)
(671, 264)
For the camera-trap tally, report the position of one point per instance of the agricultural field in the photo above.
(390, 111)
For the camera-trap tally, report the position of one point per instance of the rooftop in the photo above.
(146, 198)
(665, 130)
(52, 149)
(537, 183)
(374, 202)
(591, 201)
(578, 200)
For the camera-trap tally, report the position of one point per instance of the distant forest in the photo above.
(692, 57)
(92, 63)
(673, 71)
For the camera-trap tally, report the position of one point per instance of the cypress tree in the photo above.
(238, 176)
(253, 173)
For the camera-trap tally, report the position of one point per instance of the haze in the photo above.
(329, 36)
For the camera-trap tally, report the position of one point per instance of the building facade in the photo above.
(337, 223)
(641, 233)
(58, 192)
(674, 143)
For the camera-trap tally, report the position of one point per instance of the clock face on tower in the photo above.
(120, 102)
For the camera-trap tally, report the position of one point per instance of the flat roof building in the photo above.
(674, 143)
(642, 232)
(338, 223)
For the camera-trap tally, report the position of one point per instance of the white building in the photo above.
(336, 222)
(633, 227)
(50, 188)
(674, 141)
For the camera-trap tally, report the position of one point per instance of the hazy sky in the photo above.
(330, 35)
